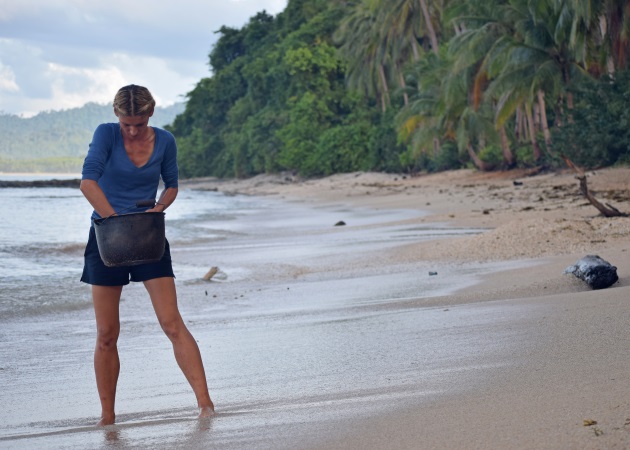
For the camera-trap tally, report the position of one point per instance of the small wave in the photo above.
(70, 249)
(67, 427)
(58, 196)
(25, 297)
(46, 249)
(40, 308)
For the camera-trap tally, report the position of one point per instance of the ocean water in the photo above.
(43, 232)
(304, 330)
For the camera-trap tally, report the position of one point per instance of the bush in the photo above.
(448, 158)
(492, 154)
(596, 132)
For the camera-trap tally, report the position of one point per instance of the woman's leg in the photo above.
(164, 299)
(106, 300)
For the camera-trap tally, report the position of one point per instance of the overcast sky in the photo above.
(60, 54)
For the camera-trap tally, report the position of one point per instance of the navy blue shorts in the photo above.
(97, 273)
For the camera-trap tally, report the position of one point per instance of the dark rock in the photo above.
(431, 274)
(341, 223)
(595, 271)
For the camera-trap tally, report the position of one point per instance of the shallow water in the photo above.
(301, 329)
(43, 233)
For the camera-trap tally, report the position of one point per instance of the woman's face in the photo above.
(134, 127)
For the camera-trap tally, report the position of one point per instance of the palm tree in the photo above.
(535, 62)
(378, 39)
(413, 18)
(360, 40)
(420, 123)
(441, 110)
(428, 23)
(600, 32)
(479, 46)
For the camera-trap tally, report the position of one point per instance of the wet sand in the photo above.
(553, 371)
(437, 317)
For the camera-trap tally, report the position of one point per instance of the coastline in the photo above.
(437, 317)
(545, 215)
(570, 358)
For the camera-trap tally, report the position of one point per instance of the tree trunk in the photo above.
(518, 125)
(543, 120)
(508, 156)
(430, 29)
(532, 133)
(403, 85)
(385, 95)
(414, 48)
(559, 113)
(436, 146)
(603, 28)
(476, 160)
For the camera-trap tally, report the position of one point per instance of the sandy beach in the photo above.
(563, 384)
(437, 316)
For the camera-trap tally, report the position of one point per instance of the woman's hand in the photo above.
(94, 194)
(166, 198)
(159, 207)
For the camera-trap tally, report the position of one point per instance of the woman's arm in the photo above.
(95, 195)
(167, 197)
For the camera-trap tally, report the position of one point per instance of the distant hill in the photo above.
(58, 140)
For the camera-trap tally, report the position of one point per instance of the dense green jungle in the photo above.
(330, 86)
(413, 85)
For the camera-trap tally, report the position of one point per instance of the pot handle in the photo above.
(139, 204)
(145, 203)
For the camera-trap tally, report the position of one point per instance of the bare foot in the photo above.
(106, 420)
(206, 411)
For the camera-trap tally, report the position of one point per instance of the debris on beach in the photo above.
(340, 223)
(591, 423)
(595, 271)
(431, 274)
(607, 209)
(212, 272)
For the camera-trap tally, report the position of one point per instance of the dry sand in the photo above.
(571, 363)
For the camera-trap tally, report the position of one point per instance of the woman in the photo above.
(124, 164)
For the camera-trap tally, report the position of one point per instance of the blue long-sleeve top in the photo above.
(122, 182)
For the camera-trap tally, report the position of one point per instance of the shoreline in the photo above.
(544, 215)
(568, 365)
(437, 317)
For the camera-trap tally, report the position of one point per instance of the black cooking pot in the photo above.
(131, 239)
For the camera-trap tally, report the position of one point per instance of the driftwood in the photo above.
(212, 272)
(607, 210)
